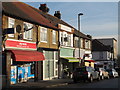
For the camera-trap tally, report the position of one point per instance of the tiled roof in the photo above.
(77, 33)
(22, 11)
(55, 21)
(98, 46)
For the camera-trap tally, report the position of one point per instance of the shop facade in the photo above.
(67, 58)
(29, 31)
(83, 49)
(20, 60)
(49, 46)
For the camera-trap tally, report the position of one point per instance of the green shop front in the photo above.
(68, 61)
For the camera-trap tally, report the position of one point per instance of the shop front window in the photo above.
(32, 68)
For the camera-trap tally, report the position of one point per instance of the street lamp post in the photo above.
(79, 36)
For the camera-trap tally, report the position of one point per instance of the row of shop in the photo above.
(24, 61)
(38, 49)
(21, 58)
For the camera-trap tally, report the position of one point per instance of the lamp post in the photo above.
(80, 14)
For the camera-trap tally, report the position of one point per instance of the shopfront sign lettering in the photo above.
(20, 44)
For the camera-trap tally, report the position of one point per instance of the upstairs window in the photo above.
(11, 24)
(28, 28)
(82, 43)
(65, 38)
(76, 42)
(61, 38)
(89, 44)
(43, 34)
(54, 37)
(86, 44)
(69, 40)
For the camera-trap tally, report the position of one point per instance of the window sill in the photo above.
(43, 41)
(27, 39)
(54, 43)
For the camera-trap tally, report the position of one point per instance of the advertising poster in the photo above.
(13, 74)
(25, 74)
(20, 74)
(30, 75)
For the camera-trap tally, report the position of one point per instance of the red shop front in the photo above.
(21, 57)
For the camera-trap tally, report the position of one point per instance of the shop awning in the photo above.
(89, 60)
(22, 55)
(71, 59)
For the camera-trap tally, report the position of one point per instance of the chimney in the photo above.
(57, 14)
(44, 8)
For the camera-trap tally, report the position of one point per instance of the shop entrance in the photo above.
(22, 72)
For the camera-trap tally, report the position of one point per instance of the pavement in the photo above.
(41, 84)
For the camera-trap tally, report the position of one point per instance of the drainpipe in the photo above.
(36, 62)
(59, 61)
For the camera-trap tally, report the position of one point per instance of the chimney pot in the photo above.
(44, 8)
(57, 14)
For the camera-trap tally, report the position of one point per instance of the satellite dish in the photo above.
(18, 28)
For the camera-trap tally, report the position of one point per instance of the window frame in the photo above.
(28, 35)
(69, 40)
(61, 38)
(10, 22)
(45, 31)
(81, 43)
(54, 35)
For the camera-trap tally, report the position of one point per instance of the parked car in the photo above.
(103, 73)
(85, 73)
(112, 73)
(118, 70)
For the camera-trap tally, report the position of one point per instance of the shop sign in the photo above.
(66, 28)
(66, 52)
(19, 44)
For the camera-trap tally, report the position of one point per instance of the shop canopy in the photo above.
(22, 55)
(71, 59)
(89, 60)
